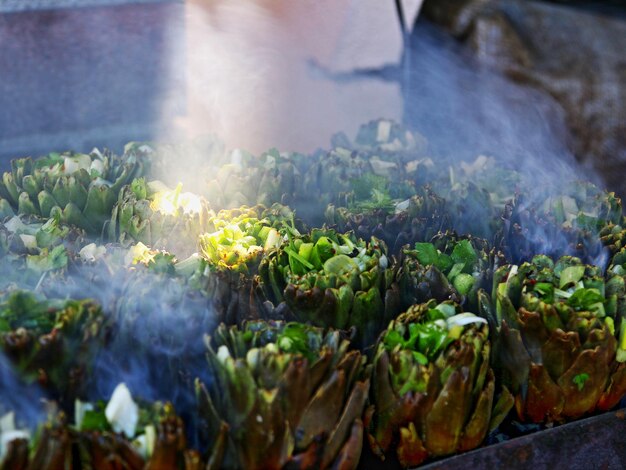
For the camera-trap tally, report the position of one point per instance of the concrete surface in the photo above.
(84, 77)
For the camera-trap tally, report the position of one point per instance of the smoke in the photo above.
(151, 337)
(19, 397)
(466, 109)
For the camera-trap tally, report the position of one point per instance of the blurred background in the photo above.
(525, 80)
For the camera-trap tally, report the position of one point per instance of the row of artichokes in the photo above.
(366, 186)
(298, 396)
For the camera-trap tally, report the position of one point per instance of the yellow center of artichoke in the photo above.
(170, 202)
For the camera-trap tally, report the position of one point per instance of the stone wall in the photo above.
(575, 54)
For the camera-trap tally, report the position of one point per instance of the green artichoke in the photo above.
(346, 177)
(570, 223)
(159, 217)
(333, 280)
(448, 268)
(556, 347)
(79, 189)
(292, 395)
(237, 238)
(476, 193)
(388, 143)
(432, 385)
(51, 341)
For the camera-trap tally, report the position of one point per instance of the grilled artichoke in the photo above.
(153, 439)
(556, 348)
(51, 341)
(432, 385)
(570, 223)
(383, 135)
(32, 251)
(273, 177)
(291, 394)
(79, 189)
(157, 216)
(476, 194)
(353, 174)
(613, 237)
(449, 268)
(233, 251)
(333, 280)
(395, 221)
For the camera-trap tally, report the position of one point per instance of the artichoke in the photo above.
(159, 217)
(51, 341)
(273, 177)
(476, 194)
(395, 221)
(557, 351)
(345, 177)
(232, 252)
(393, 150)
(432, 385)
(292, 396)
(613, 237)
(570, 223)
(383, 135)
(448, 268)
(154, 439)
(79, 189)
(333, 280)
(33, 251)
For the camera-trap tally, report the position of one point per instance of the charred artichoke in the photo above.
(432, 385)
(273, 177)
(291, 394)
(556, 343)
(120, 435)
(51, 341)
(333, 280)
(570, 223)
(232, 252)
(449, 268)
(393, 220)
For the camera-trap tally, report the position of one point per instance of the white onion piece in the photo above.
(463, 319)
(122, 412)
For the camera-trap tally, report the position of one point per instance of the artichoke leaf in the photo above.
(476, 429)
(583, 383)
(615, 390)
(446, 419)
(410, 451)
(559, 352)
(320, 415)
(352, 411)
(544, 398)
